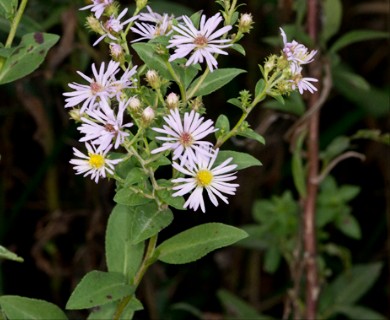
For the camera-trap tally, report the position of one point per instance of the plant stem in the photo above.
(201, 79)
(309, 234)
(178, 82)
(14, 26)
(146, 262)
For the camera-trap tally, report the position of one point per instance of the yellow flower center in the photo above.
(204, 178)
(96, 161)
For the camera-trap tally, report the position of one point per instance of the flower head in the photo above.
(113, 26)
(98, 7)
(203, 43)
(104, 126)
(100, 86)
(184, 137)
(203, 176)
(296, 52)
(298, 81)
(95, 163)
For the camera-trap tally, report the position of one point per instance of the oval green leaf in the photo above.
(194, 243)
(213, 81)
(98, 288)
(27, 56)
(241, 159)
(16, 307)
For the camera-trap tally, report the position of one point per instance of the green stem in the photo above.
(178, 82)
(14, 26)
(202, 78)
(146, 262)
(260, 97)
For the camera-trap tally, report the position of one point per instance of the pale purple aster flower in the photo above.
(104, 127)
(98, 7)
(298, 81)
(149, 31)
(100, 86)
(203, 43)
(296, 52)
(113, 26)
(95, 163)
(124, 82)
(203, 176)
(184, 137)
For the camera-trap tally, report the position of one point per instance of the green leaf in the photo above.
(148, 220)
(241, 159)
(108, 310)
(98, 288)
(186, 74)
(249, 133)
(27, 56)
(240, 308)
(148, 54)
(165, 195)
(129, 197)
(135, 176)
(8, 8)
(333, 12)
(292, 104)
(335, 148)
(122, 255)
(357, 36)
(298, 171)
(16, 307)
(223, 125)
(348, 224)
(194, 243)
(359, 313)
(239, 48)
(213, 81)
(6, 254)
(349, 287)
(272, 259)
(260, 85)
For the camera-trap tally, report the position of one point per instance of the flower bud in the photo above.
(134, 103)
(116, 52)
(141, 4)
(148, 115)
(172, 100)
(153, 79)
(245, 23)
(197, 104)
(94, 25)
(75, 114)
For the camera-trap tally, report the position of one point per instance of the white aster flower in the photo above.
(184, 137)
(100, 86)
(153, 17)
(298, 81)
(204, 176)
(124, 82)
(113, 26)
(203, 42)
(98, 6)
(296, 52)
(95, 163)
(104, 126)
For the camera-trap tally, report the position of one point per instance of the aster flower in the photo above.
(113, 26)
(153, 17)
(203, 43)
(298, 81)
(103, 126)
(98, 7)
(100, 86)
(203, 176)
(124, 82)
(184, 137)
(95, 163)
(149, 31)
(296, 52)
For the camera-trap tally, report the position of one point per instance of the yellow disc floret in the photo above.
(96, 160)
(204, 178)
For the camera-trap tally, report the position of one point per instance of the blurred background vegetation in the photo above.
(56, 220)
